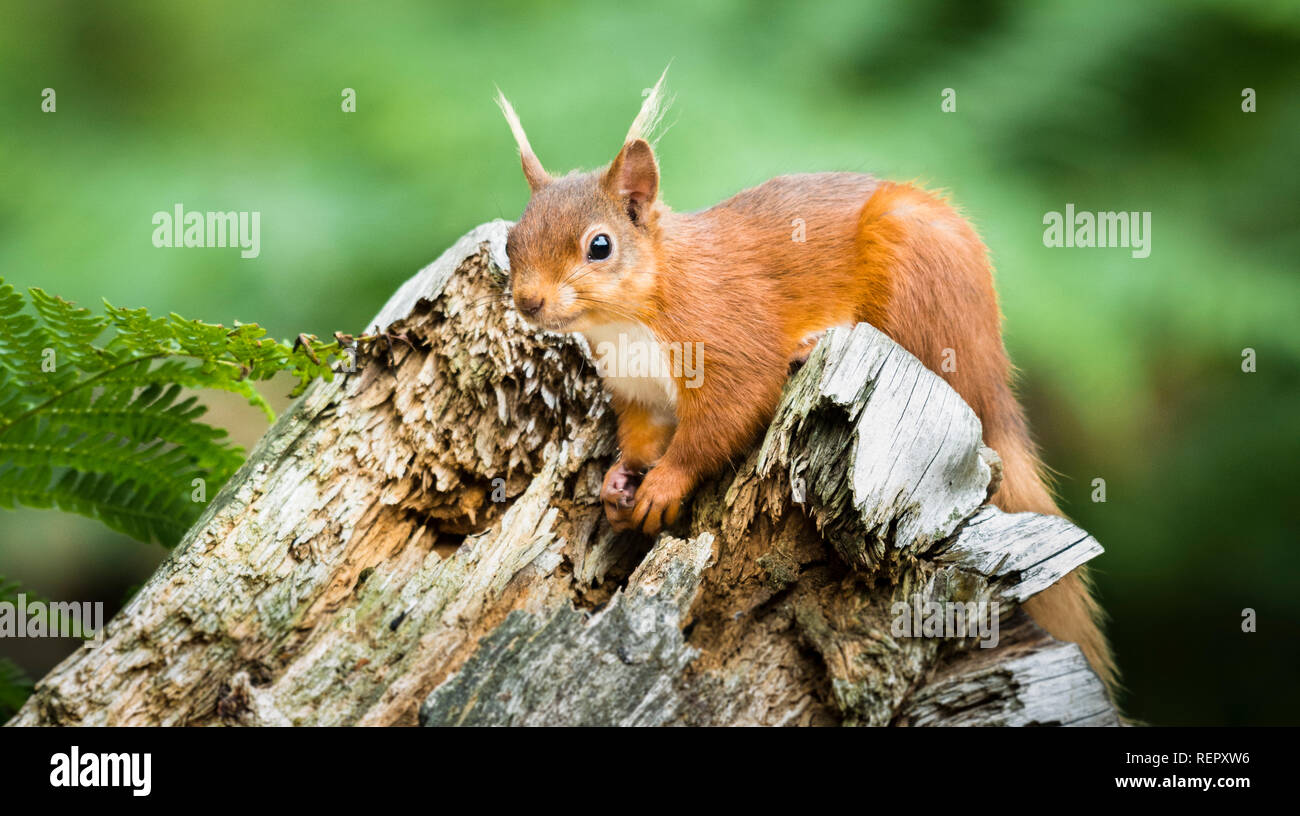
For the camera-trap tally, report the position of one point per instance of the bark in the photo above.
(421, 541)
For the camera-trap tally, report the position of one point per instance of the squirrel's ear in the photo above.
(535, 174)
(634, 177)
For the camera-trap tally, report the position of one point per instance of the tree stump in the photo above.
(421, 541)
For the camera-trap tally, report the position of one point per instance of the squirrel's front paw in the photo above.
(618, 494)
(659, 499)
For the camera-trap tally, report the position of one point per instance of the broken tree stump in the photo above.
(421, 541)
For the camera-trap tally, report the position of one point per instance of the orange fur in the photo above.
(942, 297)
(737, 279)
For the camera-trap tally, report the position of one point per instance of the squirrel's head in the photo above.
(584, 251)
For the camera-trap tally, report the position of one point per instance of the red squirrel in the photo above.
(600, 254)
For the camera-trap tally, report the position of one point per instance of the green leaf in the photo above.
(97, 414)
(15, 688)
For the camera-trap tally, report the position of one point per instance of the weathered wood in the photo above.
(1046, 547)
(1030, 680)
(625, 664)
(421, 540)
(890, 454)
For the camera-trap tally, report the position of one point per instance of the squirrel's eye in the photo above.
(600, 248)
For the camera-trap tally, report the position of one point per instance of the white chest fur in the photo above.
(634, 364)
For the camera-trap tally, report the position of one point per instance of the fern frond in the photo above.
(105, 428)
(69, 330)
(15, 688)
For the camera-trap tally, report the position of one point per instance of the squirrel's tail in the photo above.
(934, 267)
(1066, 609)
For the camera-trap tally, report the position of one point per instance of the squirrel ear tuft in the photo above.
(650, 117)
(634, 177)
(534, 173)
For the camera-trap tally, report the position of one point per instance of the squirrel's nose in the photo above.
(530, 306)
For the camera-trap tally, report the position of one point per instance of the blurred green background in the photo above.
(1131, 367)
